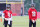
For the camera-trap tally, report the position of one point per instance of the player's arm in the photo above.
(36, 17)
(11, 17)
(29, 13)
(11, 14)
(3, 15)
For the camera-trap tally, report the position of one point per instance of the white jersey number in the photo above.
(33, 13)
(8, 14)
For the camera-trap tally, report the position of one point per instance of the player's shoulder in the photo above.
(10, 10)
(30, 8)
(35, 9)
(4, 11)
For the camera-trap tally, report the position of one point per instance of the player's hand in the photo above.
(6, 19)
(33, 21)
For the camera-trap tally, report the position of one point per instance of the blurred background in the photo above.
(19, 7)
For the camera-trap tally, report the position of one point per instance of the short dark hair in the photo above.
(8, 7)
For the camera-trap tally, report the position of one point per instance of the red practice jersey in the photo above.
(32, 14)
(7, 13)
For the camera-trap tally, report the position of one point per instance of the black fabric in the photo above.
(6, 23)
(31, 23)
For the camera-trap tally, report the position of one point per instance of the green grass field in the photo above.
(21, 21)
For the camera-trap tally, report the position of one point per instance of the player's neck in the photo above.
(7, 10)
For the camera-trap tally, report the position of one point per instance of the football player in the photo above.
(7, 16)
(32, 16)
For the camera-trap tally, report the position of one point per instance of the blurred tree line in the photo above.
(27, 4)
(37, 4)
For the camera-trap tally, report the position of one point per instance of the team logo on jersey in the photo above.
(33, 13)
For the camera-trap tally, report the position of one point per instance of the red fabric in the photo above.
(38, 14)
(7, 13)
(14, 14)
(32, 14)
